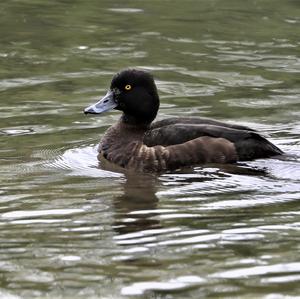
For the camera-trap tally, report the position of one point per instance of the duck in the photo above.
(137, 142)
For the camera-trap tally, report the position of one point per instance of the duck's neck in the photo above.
(122, 133)
(132, 121)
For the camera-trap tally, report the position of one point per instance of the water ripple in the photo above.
(179, 283)
(126, 10)
(231, 79)
(81, 161)
(272, 101)
(54, 77)
(184, 89)
(33, 214)
(260, 270)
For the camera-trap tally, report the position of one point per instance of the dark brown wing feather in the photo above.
(140, 157)
(249, 145)
(194, 152)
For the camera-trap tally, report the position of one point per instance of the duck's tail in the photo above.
(256, 147)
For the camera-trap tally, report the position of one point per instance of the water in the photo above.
(71, 228)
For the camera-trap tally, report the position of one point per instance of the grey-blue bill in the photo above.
(105, 104)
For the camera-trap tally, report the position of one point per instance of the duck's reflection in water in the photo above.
(136, 208)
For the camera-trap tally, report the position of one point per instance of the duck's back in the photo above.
(196, 121)
(249, 145)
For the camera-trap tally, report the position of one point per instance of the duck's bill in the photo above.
(105, 104)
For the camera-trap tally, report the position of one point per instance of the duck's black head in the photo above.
(132, 91)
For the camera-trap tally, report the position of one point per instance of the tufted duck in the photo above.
(134, 142)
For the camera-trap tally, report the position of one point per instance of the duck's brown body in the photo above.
(123, 144)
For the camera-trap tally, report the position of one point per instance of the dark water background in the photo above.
(69, 229)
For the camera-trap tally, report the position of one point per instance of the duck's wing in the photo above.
(202, 150)
(248, 144)
(141, 157)
(196, 121)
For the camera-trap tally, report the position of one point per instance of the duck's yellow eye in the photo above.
(128, 87)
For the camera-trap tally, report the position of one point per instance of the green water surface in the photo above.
(70, 228)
